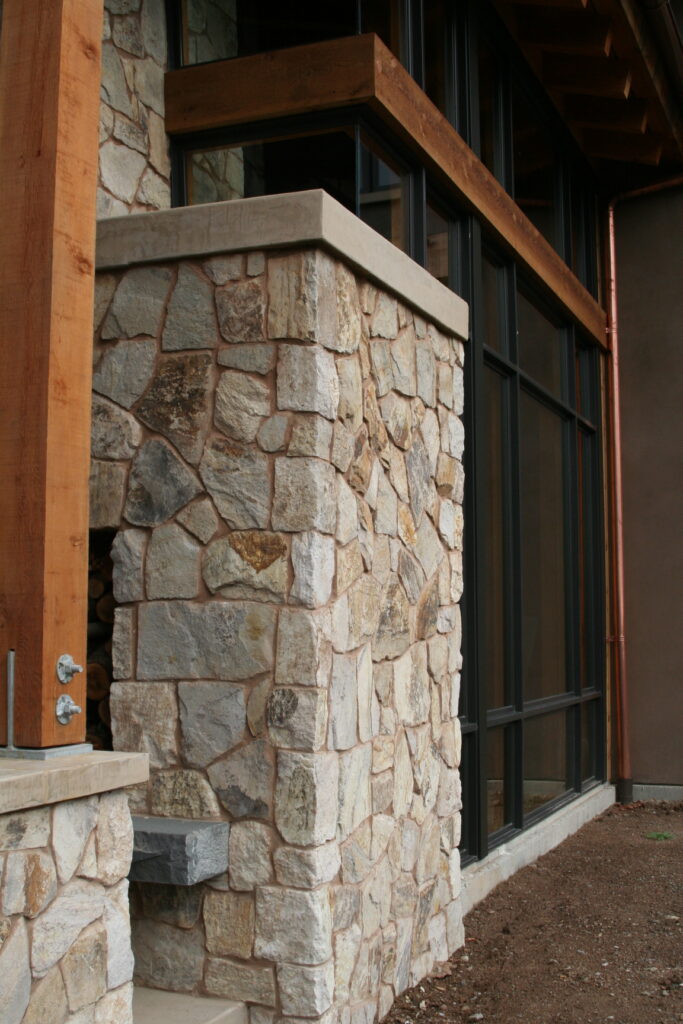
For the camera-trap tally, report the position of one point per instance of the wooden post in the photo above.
(49, 108)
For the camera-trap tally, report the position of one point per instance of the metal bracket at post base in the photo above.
(31, 753)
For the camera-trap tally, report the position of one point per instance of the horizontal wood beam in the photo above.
(626, 147)
(49, 112)
(564, 31)
(361, 71)
(591, 76)
(299, 80)
(607, 114)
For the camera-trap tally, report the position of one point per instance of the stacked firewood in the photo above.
(100, 627)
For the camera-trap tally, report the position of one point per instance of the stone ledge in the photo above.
(25, 784)
(178, 851)
(276, 222)
(151, 1006)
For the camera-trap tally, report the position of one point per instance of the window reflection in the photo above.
(535, 168)
(545, 759)
(437, 245)
(539, 350)
(542, 518)
(493, 568)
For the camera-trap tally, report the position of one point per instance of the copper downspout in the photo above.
(625, 776)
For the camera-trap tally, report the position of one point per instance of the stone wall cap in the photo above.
(25, 784)
(274, 222)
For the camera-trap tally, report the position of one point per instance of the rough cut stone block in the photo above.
(306, 991)
(350, 409)
(220, 640)
(159, 485)
(250, 863)
(244, 781)
(302, 297)
(311, 435)
(107, 491)
(303, 656)
(77, 905)
(238, 480)
(177, 402)
(183, 793)
(138, 305)
(241, 404)
(172, 569)
(305, 495)
(115, 434)
(190, 320)
(118, 940)
(241, 306)
(127, 553)
(293, 926)
(125, 370)
(307, 380)
(213, 718)
(48, 1000)
(200, 519)
(313, 565)
(249, 358)
(354, 789)
(25, 830)
(272, 434)
(306, 869)
(166, 956)
(178, 852)
(343, 702)
(306, 795)
(229, 924)
(72, 823)
(30, 883)
(297, 718)
(114, 837)
(16, 974)
(251, 563)
(246, 982)
(144, 717)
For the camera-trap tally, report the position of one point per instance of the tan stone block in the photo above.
(229, 923)
(84, 968)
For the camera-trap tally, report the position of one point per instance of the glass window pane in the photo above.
(539, 348)
(434, 43)
(498, 801)
(220, 29)
(383, 17)
(268, 168)
(493, 284)
(437, 245)
(382, 200)
(589, 741)
(494, 674)
(545, 759)
(489, 120)
(542, 550)
(589, 597)
(535, 168)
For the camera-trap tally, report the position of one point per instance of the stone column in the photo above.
(279, 442)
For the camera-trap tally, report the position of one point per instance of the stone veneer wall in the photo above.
(134, 161)
(279, 445)
(65, 950)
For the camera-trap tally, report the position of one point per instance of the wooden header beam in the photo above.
(49, 110)
(361, 71)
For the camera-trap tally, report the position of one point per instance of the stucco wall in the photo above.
(650, 251)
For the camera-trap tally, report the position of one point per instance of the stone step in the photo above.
(151, 1006)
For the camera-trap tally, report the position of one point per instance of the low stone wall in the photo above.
(65, 950)
(278, 443)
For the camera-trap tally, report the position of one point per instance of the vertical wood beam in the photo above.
(49, 109)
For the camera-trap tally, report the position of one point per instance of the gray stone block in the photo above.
(174, 851)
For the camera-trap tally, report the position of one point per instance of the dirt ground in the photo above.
(592, 932)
